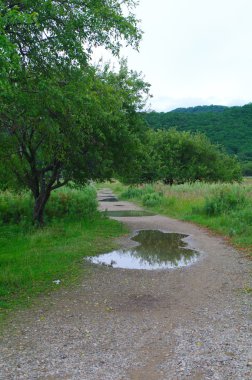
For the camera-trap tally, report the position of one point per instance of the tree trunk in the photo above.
(39, 208)
(168, 181)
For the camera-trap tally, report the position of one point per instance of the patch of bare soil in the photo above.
(187, 323)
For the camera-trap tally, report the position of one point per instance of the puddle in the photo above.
(108, 199)
(125, 213)
(156, 250)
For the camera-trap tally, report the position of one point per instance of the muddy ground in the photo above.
(188, 323)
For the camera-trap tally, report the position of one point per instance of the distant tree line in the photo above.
(201, 109)
(177, 157)
(228, 127)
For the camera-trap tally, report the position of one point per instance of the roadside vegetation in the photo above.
(223, 208)
(228, 126)
(35, 261)
(63, 120)
(66, 122)
(179, 157)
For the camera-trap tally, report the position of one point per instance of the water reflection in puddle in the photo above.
(156, 250)
(108, 199)
(125, 213)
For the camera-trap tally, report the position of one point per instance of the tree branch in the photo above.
(60, 184)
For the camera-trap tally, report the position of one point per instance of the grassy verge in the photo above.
(32, 259)
(223, 208)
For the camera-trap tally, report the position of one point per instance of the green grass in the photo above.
(32, 259)
(223, 208)
(30, 262)
(65, 202)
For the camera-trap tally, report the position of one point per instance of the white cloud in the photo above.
(195, 52)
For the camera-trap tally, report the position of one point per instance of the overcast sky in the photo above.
(195, 52)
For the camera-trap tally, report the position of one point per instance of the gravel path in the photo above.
(189, 323)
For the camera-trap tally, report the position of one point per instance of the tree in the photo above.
(228, 126)
(36, 36)
(73, 126)
(61, 119)
(55, 32)
(178, 157)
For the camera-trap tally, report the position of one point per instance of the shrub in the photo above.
(137, 192)
(72, 203)
(245, 215)
(14, 208)
(18, 208)
(152, 199)
(247, 169)
(225, 200)
(132, 192)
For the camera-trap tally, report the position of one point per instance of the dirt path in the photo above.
(188, 323)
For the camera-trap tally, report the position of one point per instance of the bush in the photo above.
(72, 203)
(137, 192)
(15, 208)
(247, 169)
(225, 200)
(245, 215)
(152, 199)
(131, 193)
(18, 208)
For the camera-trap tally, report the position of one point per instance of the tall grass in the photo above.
(225, 200)
(73, 203)
(224, 208)
(32, 259)
(66, 202)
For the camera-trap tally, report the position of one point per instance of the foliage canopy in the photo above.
(62, 119)
(229, 127)
(178, 157)
(56, 32)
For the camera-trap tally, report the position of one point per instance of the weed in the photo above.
(31, 259)
(151, 199)
(71, 203)
(225, 200)
(137, 192)
(224, 208)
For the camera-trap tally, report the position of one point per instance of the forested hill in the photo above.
(230, 127)
(201, 109)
